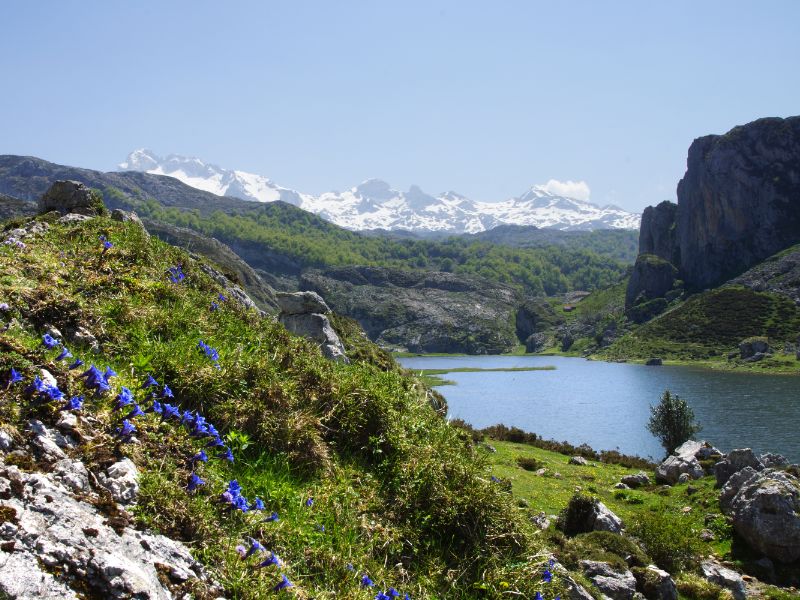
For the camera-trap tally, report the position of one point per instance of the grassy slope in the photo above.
(401, 494)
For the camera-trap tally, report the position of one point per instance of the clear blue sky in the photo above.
(485, 98)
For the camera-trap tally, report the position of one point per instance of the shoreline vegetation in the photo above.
(432, 377)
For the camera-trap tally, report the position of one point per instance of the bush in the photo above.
(573, 519)
(667, 539)
(529, 464)
(672, 422)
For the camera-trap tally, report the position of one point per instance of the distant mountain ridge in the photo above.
(374, 204)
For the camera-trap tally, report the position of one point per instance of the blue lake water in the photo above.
(607, 405)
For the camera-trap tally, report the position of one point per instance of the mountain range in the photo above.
(374, 204)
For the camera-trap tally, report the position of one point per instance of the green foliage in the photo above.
(672, 421)
(298, 240)
(575, 517)
(667, 538)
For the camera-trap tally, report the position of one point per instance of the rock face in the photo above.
(685, 461)
(421, 311)
(724, 577)
(657, 235)
(618, 585)
(737, 202)
(765, 508)
(53, 541)
(535, 316)
(70, 197)
(734, 462)
(636, 480)
(303, 313)
(655, 583)
(652, 277)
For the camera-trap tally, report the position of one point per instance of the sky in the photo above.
(600, 99)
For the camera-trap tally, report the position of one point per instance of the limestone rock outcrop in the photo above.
(304, 314)
(70, 197)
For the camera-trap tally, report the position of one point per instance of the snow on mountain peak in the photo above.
(374, 204)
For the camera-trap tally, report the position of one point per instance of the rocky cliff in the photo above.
(421, 311)
(738, 204)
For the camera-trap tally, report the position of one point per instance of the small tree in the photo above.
(672, 422)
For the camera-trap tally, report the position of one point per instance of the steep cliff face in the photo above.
(739, 201)
(657, 235)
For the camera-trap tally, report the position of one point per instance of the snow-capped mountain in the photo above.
(375, 205)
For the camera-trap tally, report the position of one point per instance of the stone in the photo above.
(59, 539)
(231, 290)
(684, 478)
(44, 441)
(578, 460)
(6, 441)
(621, 486)
(618, 585)
(317, 328)
(724, 577)
(67, 421)
(673, 467)
(771, 460)
(299, 303)
(636, 480)
(753, 347)
(73, 218)
(128, 217)
(122, 480)
(70, 197)
(47, 378)
(735, 461)
(72, 474)
(85, 337)
(605, 520)
(655, 583)
(765, 510)
(541, 521)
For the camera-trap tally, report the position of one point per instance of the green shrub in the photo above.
(672, 422)
(529, 464)
(667, 539)
(575, 517)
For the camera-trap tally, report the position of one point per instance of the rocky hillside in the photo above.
(421, 312)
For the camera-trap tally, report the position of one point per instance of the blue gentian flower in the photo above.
(194, 482)
(272, 517)
(157, 408)
(283, 584)
(14, 376)
(310, 502)
(255, 546)
(214, 306)
(212, 431)
(393, 593)
(227, 455)
(216, 443)
(53, 392)
(538, 596)
(75, 403)
(320, 528)
(38, 386)
(187, 418)
(221, 297)
(170, 411)
(547, 576)
(149, 382)
(136, 412)
(78, 362)
(199, 457)
(166, 392)
(381, 596)
(176, 274)
(271, 560)
(124, 398)
(366, 581)
(407, 597)
(551, 563)
(49, 341)
(109, 373)
(64, 354)
(241, 503)
(495, 479)
(258, 504)
(127, 429)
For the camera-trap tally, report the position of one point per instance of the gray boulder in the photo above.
(765, 509)
(724, 577)
(673, 467)
(317, 328)
(69, 197)
(128, 217)
(299, 303)
(735, 461)
(636, 480)
(655, 583)
(752, 347)
(618, 585)
(59, 541)
(578, 460)
(122, 480)
(605, 520)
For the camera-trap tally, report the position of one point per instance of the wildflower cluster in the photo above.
(107, 245)
(12, 241)
(547, 577)
(210, 352)
(176, 274)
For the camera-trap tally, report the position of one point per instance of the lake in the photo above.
(607, 405)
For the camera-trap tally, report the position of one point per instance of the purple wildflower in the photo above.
(258, 504)
(283, 584)
(547, 576)
(272, 517)
(64, 354)
(227, 455)
(194, 482)
(136, 412)
(366, 581)
(149, 382)
(310, 502)
(271, 560)
(166, 392)
(14, 376)
(127, 429)
(199, 457)
(49, 341)
(255, 546)
(74, 403)
(78, 363)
